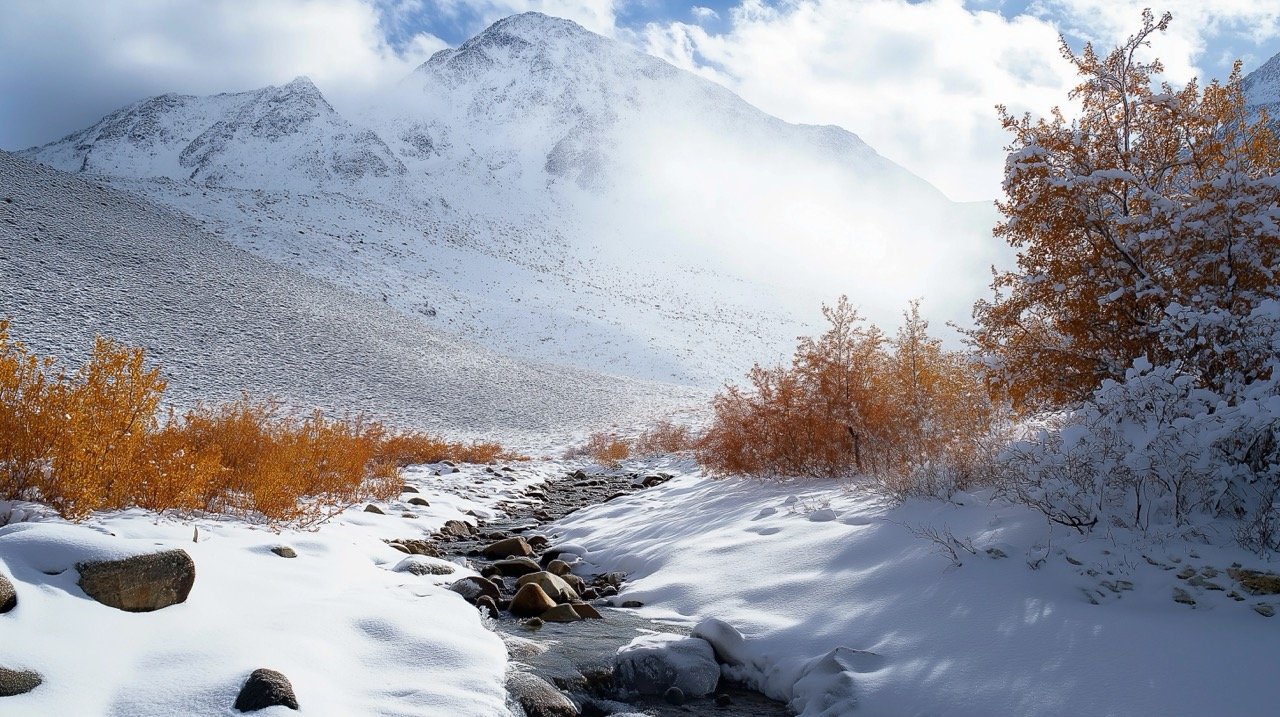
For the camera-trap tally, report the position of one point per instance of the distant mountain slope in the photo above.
(557, 195)
(1262, 89)
(81, 259)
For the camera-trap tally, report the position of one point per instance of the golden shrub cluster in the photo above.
(664, 437)
(609, 448)
(416, 447)
(98, 439)
(852, 401)
(602, 447)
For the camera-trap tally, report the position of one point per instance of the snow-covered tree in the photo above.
(1146, 226)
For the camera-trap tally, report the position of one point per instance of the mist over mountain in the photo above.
(556, 195)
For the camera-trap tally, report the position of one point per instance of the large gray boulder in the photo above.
(8, 595)
(266, 688)
(473, 588)
(141, 583)
(653, 664)
(18, 682)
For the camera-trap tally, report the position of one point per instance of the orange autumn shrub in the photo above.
(98, 440)
(417, 447)
(602, 447)
(852, 402)
(664, 437)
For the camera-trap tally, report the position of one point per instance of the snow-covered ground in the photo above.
(848, 608)
(353, 635)
(846, 604)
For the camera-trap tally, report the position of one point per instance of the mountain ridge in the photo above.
(555, 195)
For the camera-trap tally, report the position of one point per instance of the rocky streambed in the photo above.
(564, 629)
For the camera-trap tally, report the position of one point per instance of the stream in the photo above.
(577, 657)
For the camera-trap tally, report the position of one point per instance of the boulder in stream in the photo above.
(508, 547)
(531, 600)
(553, 585)
(653, 664)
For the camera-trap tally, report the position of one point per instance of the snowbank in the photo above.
(869, 610)
(354, 635)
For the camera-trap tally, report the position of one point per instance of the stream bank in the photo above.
(577, 657)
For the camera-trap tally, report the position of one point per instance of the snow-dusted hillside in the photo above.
(1262, 89)
(82, 259)
(554, 194)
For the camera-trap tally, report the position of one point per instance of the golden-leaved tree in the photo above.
(1146, 226)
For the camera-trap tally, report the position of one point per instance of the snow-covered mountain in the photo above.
(1262, 89)
(557, 195)
(81, 259)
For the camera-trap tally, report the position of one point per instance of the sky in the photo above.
(917, 79)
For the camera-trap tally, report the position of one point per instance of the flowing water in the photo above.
(577, 657)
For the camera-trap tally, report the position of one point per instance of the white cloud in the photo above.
(703, 14)
(72, 61)
(1182, 49)
(918, 81)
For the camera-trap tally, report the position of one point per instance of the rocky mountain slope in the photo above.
(556, 195)
(82, 259)
(1262, 89)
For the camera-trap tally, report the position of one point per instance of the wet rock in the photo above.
(553, 585)
(507, 548)
(579, 475)
(559, 567)
(575, 582)
(561, 613)
(631, 604)
(371, 508)
(531, 600)
(515, 567)
(18, 682)
(472, 588)
(416, 546)
(534, 623)
(420, 501)
(537, 697)
(586, 612)
(266, 688)
(487, 605)
(8, 595)
(457, 529)
(538, 542)
(421, 565)
(285, 551)
(589, 594)
(141, 583)
(723, 700)
(652, 664)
